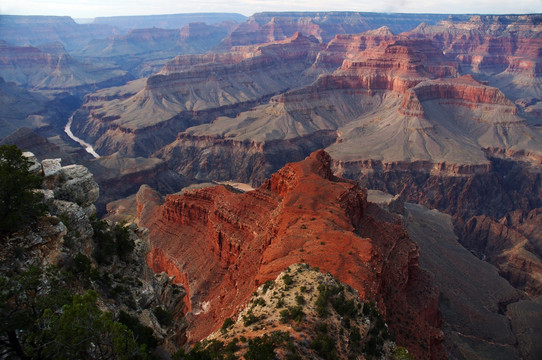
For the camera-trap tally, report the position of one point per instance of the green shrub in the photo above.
(324, 345)
(250, 318)
(259, 302)
(294, 313)
(400, 353)
(261, 348)
(267, 285)
(287, 280)
(228, 322)
(19, 205)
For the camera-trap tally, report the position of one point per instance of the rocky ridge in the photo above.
(67, 233)
(313, 314)
(269, 26)
(314, 217)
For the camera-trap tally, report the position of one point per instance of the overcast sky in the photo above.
(94, 8)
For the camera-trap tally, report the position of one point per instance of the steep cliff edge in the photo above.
(222, 245)
(52, 68)
(152, 113)
(69, 247)
(502, 49)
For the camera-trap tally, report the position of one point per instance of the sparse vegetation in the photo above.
(400, 353)
(287, 280)
(228, 323)
(267, 285)
(294, 313)
(250, 318)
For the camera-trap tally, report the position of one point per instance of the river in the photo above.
(87, 146)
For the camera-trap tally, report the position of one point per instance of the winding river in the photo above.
(87, 146)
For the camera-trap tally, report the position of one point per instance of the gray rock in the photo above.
(51, 167)
(77, 184)
(76, 217)
(35, 166)
(48, 195)
(396, 205)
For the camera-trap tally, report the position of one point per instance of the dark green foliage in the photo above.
(250, 319)
(378, 332)
(324, 346)
(81, 268)
(110, 241)
(294, 313)
(124, 245)
(259, 302)
(267, 285)
(39, 318)
(287, 280)
(369, 309)
(260, 348)
(300, 300)
(263, 348)
(163, 316)
(105, 242)
(355, 338)
(82, 331)
(335, 295)
(228, 322)
(19, 205)
(344, 307)
(81, 264)
(143, 334)
(321, 301)
(23, 300)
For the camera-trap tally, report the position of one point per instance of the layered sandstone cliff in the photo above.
(221, 245)
(54, 69)
(170, 102)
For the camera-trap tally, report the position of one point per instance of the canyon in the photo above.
(441, 111)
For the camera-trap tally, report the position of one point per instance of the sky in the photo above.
(95, 8)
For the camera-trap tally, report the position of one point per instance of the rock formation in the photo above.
(270, 26)
(67, 232)
(40, 30)
(470, 288)
(316, 315)
(206, 93)
(221, 245)
(54, 69)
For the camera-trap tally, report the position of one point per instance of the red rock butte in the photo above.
(222, 244)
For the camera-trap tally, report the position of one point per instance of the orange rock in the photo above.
(221, 245)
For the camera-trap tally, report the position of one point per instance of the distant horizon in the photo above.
(89, 9)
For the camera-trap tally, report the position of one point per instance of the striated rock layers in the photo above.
(150, 114)
(407, 96)
(52, 68)
(221, 245)
(503, 49)
(271, 26)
